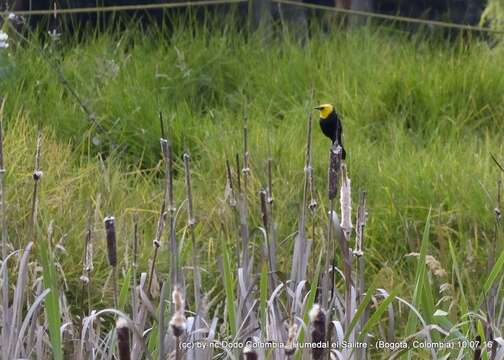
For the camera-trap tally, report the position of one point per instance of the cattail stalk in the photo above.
(166, 198)
(358, 251)
(492, 295)
(359, 254)
(192, 223)
(135, 266)
(112, 251)
(167, 149)
(37, 175)
(246, 157)
(243, 208)
(312, 205)
(229, 195)
(269, 250)
(238, 170)
(270, 186)
(301, 249)
(87, 264)
(123, 339)
(332, 187)
(156, 243)
(271, 225)
(231, 198)
(335, 154)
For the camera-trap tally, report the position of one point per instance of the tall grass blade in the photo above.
(360, 310)
(492, 277)
(380, 310)
(124, 292)
(419, 276)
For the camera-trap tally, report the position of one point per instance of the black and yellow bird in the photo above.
(330, 123)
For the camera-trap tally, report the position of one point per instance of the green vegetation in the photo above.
(421, 117)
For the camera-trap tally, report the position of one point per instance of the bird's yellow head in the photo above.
(325, 110)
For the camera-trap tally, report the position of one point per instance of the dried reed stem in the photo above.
(166, 198)
(229, 195)
(269, 251)
(358, 252)
(271, 199)
(243, 206)
(332, 191)
(492, 295)
(135, 266)
(37, 175)
(246, 157)
(238, 170)
(231, 198)
(271, 224)
(192, 223)
(156, 243)
(301, 246)
(167, 149)
(87, 263)
(312, 205)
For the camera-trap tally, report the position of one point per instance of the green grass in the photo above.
(421, 116)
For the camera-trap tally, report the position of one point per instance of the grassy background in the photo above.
(421, 116)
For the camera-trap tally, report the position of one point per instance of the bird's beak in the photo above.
(317, 108)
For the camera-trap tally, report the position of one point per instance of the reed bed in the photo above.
(251, 307)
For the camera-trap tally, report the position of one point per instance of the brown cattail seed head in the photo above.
(334, 169)
(111, 240)
(123, 339)
(318, 324)
(178, 321)
(249, 352)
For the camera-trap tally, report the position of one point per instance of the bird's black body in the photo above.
(332, 128)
